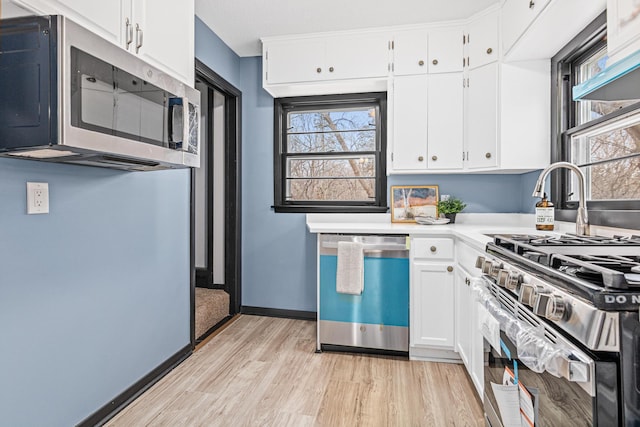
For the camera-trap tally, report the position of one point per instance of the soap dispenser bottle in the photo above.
(544, 214)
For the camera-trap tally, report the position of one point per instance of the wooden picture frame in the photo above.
(409, 201)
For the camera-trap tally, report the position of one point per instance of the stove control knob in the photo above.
(503, 277)
(528, 294)
(540, 305)
(479, 262)
(486, 267)
(495, 269)
(556, 308)
(513, 280)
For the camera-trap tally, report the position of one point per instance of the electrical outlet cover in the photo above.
(37, 198)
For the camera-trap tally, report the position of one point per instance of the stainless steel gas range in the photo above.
(568, 343)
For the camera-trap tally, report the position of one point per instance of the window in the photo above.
(330, 153)
(601, 137)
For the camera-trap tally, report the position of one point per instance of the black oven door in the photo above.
(557, 401)
(558, 382)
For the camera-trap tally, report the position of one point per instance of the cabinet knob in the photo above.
(420, 158)
(488, 155)
(331, 69)
(489, 51)
(421, 63)
(449, 269)
(318, 70)
(433, 249)
(434, 62)
(467, 281)
(532, 3)
(434, 158)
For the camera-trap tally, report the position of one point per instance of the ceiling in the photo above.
(241, 23)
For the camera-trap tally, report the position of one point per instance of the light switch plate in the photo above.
(37, 198)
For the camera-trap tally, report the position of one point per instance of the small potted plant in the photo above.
(450, 207)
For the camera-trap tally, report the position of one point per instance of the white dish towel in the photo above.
(350, 271)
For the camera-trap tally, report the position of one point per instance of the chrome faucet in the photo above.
(582, 221)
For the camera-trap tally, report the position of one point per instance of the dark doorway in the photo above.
(216, 205)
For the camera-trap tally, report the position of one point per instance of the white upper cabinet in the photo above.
(164, 30)
(538, 29)
(104, 18)
(517, 16)
(293, 65)
(358, 56)
(139, 26)
(427, 122)
(294, 61)
(445, 50)
(410, 122)
(623, 28)
(410, 50)
(427, 51)
(446, 121)
(427, 101)
(481, 137)
(482, 40)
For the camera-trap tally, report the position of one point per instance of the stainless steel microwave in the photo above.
(67, 95)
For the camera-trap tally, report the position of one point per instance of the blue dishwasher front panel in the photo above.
(384, 301)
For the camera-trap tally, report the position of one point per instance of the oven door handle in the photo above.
(574, 370)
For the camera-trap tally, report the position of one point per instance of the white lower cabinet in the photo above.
(463, 316)
(469, 341)
(432, 329)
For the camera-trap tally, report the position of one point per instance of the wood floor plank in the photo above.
(264, 372)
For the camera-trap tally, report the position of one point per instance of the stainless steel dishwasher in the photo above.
(378, 318)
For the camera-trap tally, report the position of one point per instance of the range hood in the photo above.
(618, 82)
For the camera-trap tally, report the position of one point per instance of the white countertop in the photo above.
(472, 228)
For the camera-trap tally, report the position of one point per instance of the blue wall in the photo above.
(93, 295)
(278, 255)
(212, 51)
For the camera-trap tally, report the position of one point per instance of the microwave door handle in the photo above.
(185, 124)
(176, 123)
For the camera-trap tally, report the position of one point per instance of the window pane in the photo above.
(356, 178)
(617, 146)
(330, 130)
(337, 189)
(617, 180)
(607, 143)
(331, 167)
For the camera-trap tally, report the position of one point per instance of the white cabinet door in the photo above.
(463, 319)
(294, 61)
(477, 347)
(105, 18)
(482, 117)
(517, 15)
(410, 53)
(482, 41)
(410, 122)
(623, 28)
(445, 50)
(165, 30)
(445, 134)
(327, 58)
(432, 308)
(357, 56)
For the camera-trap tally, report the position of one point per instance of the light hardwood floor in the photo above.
(264, 371)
